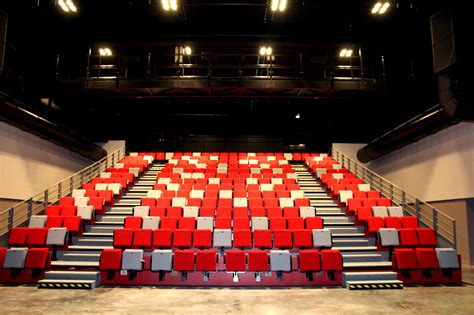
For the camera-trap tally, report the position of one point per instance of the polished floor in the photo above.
(411, 300)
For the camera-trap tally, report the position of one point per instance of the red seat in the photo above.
(258, 260)
(37, 258)
(282, 239)
(174, 212)
(309, 260)
(226, 203)
(123, 237)
(206, 212)
(183, 238)
(373, 194)
(262, 239)
(427, 258)
(68, 211)
(202, 238)
(133, 223)
(194, 202)
(364, 213)
(164, 202)
(359, 194)
(274, 212)
(331, 260)
(235, 260)
(106, 195)
(354, 203)
(168, 223)
(223, 223)
(303, 238)
(302, 202)
(37, 236)
(241, 224)
(312, 223)
(66, 201)
(374, 224)
(295, 223)
(393, 223)
(384, 202)
(72, 224)
(18, 236)
(206, 260)
(224, 212)
(257, 212)
(369, 202)
(184, 260)
(242, 239)
(408, 237)
(158, 212)
(270, 203)
(53, 211)
(3, 252)
(111, 259)
(277, 224)
(54, 221)
(426, 237)
(291, 212)
(241, 212)
(150, 202)
(97, 203)
(187, 223)
(405, 258)
(409, 222)
(142, 238)
(162, 238)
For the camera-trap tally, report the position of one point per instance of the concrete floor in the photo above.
(423, 300)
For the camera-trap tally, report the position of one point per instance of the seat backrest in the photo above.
(141, 211)
(395, 211)
(380, 212)
(152, 223)
(37, 221)
(56, 236)
(37, 258)
(259, 223)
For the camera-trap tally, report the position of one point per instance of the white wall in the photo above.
(29, 164)
(112, 146)
(438, 167)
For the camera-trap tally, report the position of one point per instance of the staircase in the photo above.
(78, 267)
(364, 267)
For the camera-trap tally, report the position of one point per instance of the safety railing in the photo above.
(428, 216)
(22, 212)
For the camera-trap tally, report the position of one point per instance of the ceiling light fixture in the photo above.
(279, 5)
(345, 52)
(266, 51)
(187, 50)
(105, 52)
(380, 8)
(168, 5)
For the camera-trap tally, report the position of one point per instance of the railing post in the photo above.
(10, 218)
(455, 241)
(435, 220)
(82, 179)
(71, 184)
(417, 203)
(391, 191)
(404, 201)
(30, 208)
(59, 191)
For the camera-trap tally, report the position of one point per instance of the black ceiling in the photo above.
(313, 29)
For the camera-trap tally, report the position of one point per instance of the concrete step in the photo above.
(368, 264)
(66, 284)
(122, 209)
(349, 235)
(354, 248)
(369, 276)
(74, 264)
(81, 257)
(337, 223)
(92, 234)
(127, 202)
(374, 285)
(345, 229)
(351, 242)
(103, 229)
(145, 182)
(89, 248)
(140, 188)
(112, 218)
(365, 257)
(337, 219)
(112, 224)
(102, 241)
(134, 196)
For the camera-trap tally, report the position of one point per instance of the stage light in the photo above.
(279, 5)
(275, 4)
(67, 6)
(187, 50)
(298, 116)
(104, 52)
(71, 5)
(380, 7)
(266, 51)
(269, 51)
(63, 6)
(346, 53)
(168, 5)
(263, 50)
(282, 5)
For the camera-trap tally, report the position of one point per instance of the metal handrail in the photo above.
(429, 216)
(22, 212)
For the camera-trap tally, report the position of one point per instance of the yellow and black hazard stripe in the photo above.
(376, 286)
(64, 285)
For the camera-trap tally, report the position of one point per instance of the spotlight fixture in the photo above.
(168, 5)
(187, 50)
(380, 8)
(105, 52)
(298, 116)
(345, 53)
(279, 5)
(67, 6)
(266, 51)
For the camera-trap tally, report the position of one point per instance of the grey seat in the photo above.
(380, 212)
(306, 212)
(162, 260)
(81, 201)
(259, 223)
(141, 211)
(191, 212)
(447, 258)
(37, 221)
(205, 223)
(78, 193)
(320, 171)
(395, 211)
(151, 223)
(322, 238)
(85, 212)
(132, 259)
(389, 237)
(280, 260)
(56, 236)
(15, 258)
(344, 195)
(222, 238)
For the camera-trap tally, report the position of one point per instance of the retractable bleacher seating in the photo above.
(227, 219)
